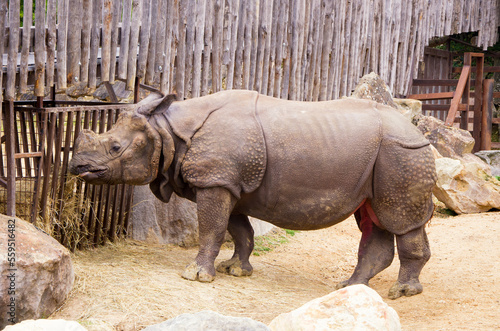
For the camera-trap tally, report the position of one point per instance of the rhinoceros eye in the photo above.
(115, 148)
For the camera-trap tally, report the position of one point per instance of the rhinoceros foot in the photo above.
(235, 267)
(197, 272)
(407, 289)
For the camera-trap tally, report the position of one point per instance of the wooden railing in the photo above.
(471, 108)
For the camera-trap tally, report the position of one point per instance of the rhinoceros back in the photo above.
(320, 155)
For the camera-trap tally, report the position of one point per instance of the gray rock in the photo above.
(493, 159)
(372, 87)
(356, 307)
(449, 141)
(120, 91)
(465, 185)
(164, 223)
(208, 321)
(78, 90)
(41, 275)
(46, 325)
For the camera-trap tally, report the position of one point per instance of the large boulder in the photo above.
(492, 158)
(37, 270)
(449, 141)
(465, 185)
(208, 320)
(372, 87)
(164, 223)
(356, 307)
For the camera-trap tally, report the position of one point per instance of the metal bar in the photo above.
(11, 164)
(48, 163)
(40, 164)
(462, 82)
(487, 114)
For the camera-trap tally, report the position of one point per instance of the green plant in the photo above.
(267, 243)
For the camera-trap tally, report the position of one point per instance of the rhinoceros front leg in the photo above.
(214, 206)
(242, 232)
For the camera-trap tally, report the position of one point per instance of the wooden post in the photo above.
(478, 98)
(11, 165)
(464, 116)
(486, 114)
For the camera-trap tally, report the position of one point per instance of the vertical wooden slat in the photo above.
(181, 50)
(150, 68)
(198, 39)
(125, 40)
(62, 27)
(478, 99)
(134, 40)
(51, 42)
(230, 43)
(27, 23)
(207, 48)
(217, 46)
(107, 19)
(10, 87)
(76, 13)
(3, 14)
(144, 38)
(94, 42)
(116, 12)
(487, 114)
(88, 28)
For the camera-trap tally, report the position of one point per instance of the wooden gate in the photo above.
(467, 100)
(37, 143)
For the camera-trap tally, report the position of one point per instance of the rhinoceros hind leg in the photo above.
(242, 232)
(414, 252)
(376, 249)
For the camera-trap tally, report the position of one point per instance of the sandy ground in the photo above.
(130, 285)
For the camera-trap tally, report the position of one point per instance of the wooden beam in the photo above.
(432, 96)
(462, 82)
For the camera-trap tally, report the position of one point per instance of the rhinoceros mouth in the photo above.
(92, 174)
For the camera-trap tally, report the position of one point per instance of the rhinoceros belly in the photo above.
(320, 158)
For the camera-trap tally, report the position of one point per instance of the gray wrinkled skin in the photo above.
(298, 165)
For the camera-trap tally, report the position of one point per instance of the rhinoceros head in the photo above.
(128, 153)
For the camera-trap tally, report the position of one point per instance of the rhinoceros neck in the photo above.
(161, 124)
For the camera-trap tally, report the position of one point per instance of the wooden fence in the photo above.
(295, 49)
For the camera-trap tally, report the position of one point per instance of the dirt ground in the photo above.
(130, 285)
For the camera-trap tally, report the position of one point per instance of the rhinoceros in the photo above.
(298, 165)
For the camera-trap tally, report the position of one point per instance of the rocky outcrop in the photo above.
(466, 185)
(208, 320)
(37, 270)
(372, 87)
(46, 325)
(164, 223)
(492, 158)
(449, 141)
(355, 307)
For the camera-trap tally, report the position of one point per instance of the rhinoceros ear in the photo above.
(155, 103)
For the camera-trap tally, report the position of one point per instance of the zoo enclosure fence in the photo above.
(39, 140)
